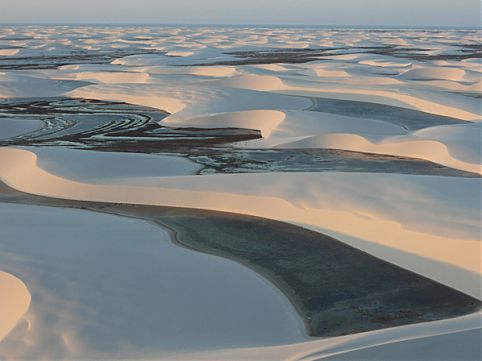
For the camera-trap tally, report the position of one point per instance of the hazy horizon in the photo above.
(356, 13)
(216, 25)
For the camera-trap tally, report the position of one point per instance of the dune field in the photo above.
(237, 193)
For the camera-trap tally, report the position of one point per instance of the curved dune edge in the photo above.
(165, 103)
(388, 98)
(253, 82)
(366, 341)
(9, 52)
(14, 302)
(454, 260)
(28, 86)
(108, 77)
(431, 150)
(212, 71)
(443, 73)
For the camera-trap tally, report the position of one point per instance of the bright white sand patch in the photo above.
(428, 224)
(323, 73)
(111, 77)
(124, 94)
(179, 53)
(386, 63)
(464, 142)
(204, 72)
(98, 167)
(214, 71)
(407, 146)
(9, 52)
(14, 302)
(251, 81)
(429, 73)
(108, 287)
(297, 127)
(188, 101)
(271, 67)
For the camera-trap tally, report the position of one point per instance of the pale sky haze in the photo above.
(418, 13)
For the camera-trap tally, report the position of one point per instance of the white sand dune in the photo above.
(453, 74)
(204, 73)
(271, 67)
(251, 81)
(210, 108)
(462, 141)
(9, 52)
(388, 98)
(447, 151)
(297, 127)
(204, 78)
(123, 94)
(98, 167)
(213, 71)
(14, 302)
(179, 53)
(329, 73)
(387, 63)
(441, 214)
(455, 146)
(188, 101)
(273, 83)
(111, 77)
